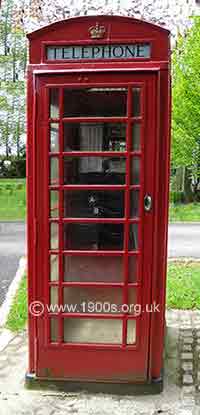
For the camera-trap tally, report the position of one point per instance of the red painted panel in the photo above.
(113, 362)
(118, 29)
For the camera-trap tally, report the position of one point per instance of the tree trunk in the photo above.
(14, 58)
(6, 138)
(189, 195)
(18, 133)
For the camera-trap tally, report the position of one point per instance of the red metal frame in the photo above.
(141, 361)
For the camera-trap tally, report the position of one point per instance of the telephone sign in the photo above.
(138, 50)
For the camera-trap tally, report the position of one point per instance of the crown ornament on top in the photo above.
(97, 31)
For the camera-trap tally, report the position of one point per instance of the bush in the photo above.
(12, 166)
(177, 197)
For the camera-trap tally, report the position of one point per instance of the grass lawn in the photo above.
(184, 212)
(18, 313)
(183, 292)
(12, 199)
(183, 285)
(12, 181)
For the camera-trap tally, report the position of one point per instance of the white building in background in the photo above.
(174, 15)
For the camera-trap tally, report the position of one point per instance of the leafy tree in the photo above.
(12, 88)
(186, 106)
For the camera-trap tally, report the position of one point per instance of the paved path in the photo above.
(184, 240)
(12, 247)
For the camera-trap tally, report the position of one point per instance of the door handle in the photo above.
(147, 203)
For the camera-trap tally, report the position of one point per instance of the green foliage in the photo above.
(176, 197)
(186, 100)
(13, 166)
(189, 212)
(13, 57)
(183, 286)
(19, 311)
(12, 199)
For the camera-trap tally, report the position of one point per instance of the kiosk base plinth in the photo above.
(155, 386)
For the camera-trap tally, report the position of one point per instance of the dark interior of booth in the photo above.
(93, 137)
(94, 170)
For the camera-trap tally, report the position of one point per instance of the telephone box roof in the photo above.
(101, 18)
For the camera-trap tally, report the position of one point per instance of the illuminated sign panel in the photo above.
(136, 51)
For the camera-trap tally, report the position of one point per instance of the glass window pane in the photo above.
(135, 170)
(132, 299)
(93, 299)
(94, 170)
(133, 268)
(94, 137)
(54, 298)
(54, 103)
(133, 236)
(136, 136)
(93, 268)
(54, 268)
(134, 203)
(58, 53)
(54, 235)
(95, 102)
(94, 204)
(54, 137)
(136, 102)
(50, 53)
(54, 170)
(95, 236)
(54, 329)
(54, 204)
(87, 330)
(131, 331)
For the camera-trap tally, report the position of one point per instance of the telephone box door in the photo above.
(95, 144)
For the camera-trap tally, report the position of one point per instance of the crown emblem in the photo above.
(97, 31)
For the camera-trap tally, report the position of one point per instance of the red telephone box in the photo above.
(98, 175)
